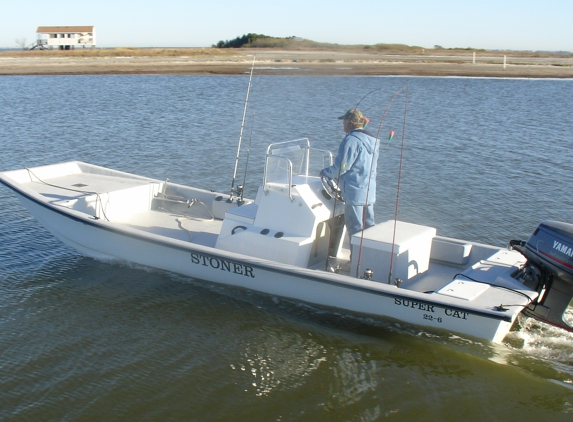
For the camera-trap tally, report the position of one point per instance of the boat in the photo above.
(290, 241)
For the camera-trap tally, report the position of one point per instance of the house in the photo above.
(65, 37)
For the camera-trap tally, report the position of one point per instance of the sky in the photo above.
(489, 24)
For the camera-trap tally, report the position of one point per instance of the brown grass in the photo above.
(297, 44)
(122, 52)
(285, 44)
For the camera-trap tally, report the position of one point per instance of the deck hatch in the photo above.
(467, 290)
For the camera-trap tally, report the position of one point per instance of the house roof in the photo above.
(58, 29)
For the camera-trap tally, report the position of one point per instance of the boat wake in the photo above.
(543, 341)
(545, 351)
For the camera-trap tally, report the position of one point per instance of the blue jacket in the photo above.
(358, 152)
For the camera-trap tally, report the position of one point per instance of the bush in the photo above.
(254, 40)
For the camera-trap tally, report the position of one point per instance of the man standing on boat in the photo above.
(355, 169)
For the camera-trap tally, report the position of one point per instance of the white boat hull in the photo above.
(107, 241)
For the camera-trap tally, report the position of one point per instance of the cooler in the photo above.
(412, 246)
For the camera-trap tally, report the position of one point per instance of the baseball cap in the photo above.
(354, 115)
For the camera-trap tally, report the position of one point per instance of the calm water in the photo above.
(485, 160)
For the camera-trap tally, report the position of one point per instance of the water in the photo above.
(483, 159)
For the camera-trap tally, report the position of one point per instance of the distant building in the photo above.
(65, 37)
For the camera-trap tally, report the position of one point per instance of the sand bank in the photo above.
(272, 62)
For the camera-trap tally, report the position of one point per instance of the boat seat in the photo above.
(244, 214)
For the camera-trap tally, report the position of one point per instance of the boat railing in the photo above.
(285, 160)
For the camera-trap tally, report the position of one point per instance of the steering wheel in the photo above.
(331, 188)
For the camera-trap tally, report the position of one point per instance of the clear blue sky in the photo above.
(489, 24)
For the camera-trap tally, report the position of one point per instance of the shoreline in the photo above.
(291, 63)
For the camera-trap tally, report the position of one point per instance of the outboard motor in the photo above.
(549, 270)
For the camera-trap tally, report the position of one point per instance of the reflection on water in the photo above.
(277, 361)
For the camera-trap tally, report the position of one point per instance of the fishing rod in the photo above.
(365, 209)
(374, 90)
(398, 188)
(241, 134)
(241, 188)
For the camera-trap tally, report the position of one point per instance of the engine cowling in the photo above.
(549, 270)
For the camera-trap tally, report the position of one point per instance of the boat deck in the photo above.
(185, 227)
